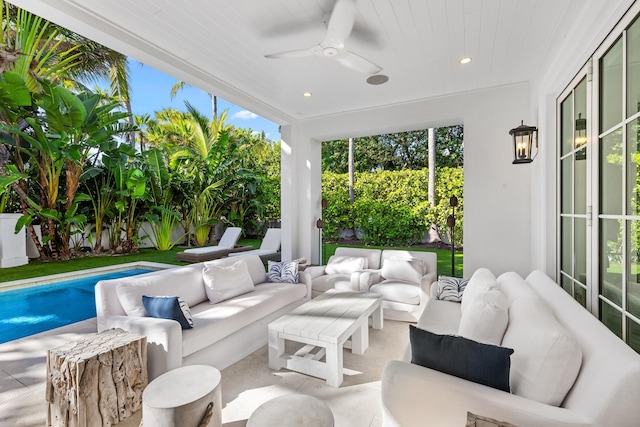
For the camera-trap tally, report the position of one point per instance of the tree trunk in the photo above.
(352, 197)
(432, 168)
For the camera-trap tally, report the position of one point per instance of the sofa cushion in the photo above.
(339, 264)
(451, 288)
(440, 317)
(481, 363)
(213, 322)
(513, 287)
(546, 358)
(282, 272)
(226, 281)
(185, 282)
(168, 307)
(398, 291)
(486, 317)
(332, 281)
(481, 281)
(407, 270)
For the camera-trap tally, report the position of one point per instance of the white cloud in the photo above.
(244, 115)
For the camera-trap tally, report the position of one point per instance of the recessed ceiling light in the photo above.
(307, 94)
(377, 79)
(465, 60)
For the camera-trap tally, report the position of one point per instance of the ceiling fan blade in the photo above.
(358, 63)
(297, 53)
(340, 24)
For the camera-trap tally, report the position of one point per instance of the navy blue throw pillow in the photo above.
(481, 363)
(168, 308)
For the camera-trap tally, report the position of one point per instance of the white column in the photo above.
(300, 194)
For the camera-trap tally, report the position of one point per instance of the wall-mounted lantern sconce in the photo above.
(581, 131)
(523, 137)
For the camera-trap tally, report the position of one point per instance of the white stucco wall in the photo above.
(496, 193)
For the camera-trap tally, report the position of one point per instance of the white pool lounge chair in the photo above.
(226, 245)
(269, 249)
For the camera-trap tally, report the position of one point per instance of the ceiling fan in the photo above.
(333, 46)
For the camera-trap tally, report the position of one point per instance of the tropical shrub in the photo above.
(391, 207)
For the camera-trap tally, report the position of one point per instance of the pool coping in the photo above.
(23, 283)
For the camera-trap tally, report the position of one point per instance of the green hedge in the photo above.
(391, 207)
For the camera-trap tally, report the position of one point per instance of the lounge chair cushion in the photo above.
(223, 280)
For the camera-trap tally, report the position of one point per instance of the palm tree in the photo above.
(179, 85)
(143, 123)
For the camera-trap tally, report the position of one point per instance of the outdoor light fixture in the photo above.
(581, 131)
(523, 137)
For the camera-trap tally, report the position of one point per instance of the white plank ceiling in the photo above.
(220, 46)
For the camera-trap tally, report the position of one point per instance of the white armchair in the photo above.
(342, 271)
(404, 280)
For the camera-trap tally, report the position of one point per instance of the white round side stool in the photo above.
(292, 410)
(181, 398)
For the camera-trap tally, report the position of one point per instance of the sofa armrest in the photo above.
(164, 340)
(415, 396)
(366, 279)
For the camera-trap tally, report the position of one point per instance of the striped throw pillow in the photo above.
(283, 272)
(451, 288)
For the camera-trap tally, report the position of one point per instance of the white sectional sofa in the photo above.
(222, 333)
(567, 368)
(403, 278)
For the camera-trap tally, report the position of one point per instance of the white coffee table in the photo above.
(327, 321)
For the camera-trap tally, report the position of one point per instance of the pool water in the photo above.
(27, 311)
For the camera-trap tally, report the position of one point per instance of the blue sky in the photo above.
(150, 93)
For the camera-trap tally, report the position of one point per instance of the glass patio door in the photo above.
(575, 230)
(618, 108)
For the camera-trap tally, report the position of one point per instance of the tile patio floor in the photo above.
(245, 385)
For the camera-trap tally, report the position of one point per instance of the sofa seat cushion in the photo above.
(440, 317)
(397, 291)
(185, 282)
(212, 322)
(331, 281)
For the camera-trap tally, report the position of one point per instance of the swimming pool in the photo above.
(28, 310)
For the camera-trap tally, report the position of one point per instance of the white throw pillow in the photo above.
(226, 281)
(486, 318)
(130, 293)
(480, 282)
(546, 358)
(344, 264)
(407, 270)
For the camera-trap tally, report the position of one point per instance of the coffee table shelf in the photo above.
(327, 322)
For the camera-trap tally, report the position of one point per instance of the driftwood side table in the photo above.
(97, 381)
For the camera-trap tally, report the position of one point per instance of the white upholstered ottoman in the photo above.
(292, 410)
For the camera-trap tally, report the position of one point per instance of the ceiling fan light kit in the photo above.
(339, 28)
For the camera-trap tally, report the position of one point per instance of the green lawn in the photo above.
(37, 268)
